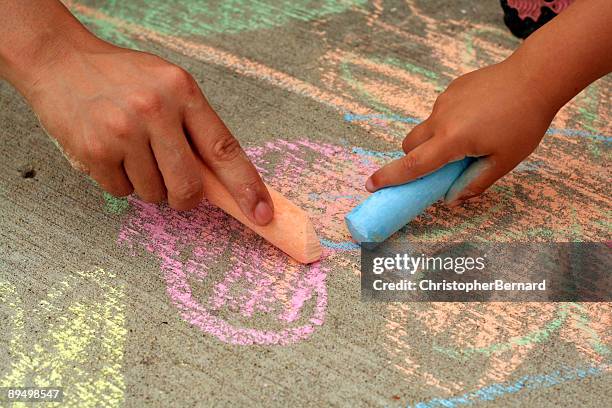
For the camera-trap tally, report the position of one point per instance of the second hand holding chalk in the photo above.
(387, 210)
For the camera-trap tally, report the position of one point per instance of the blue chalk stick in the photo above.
(389, 209)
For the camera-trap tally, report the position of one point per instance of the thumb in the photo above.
(474, 180)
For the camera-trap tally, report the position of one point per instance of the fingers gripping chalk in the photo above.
(389, 209)
(290, 230)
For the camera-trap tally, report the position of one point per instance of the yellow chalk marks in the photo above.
(82, 347)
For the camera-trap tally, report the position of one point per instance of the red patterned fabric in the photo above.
(532, 8)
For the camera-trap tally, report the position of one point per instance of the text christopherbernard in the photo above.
(454, 286)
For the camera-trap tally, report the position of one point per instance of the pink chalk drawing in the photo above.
(258, 279)
(229, 282)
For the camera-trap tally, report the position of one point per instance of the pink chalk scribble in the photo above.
(230, 283)
(253, 293)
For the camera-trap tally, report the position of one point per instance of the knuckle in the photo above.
(455, 140)
(251, 185)
(225, 148)
(451, 134)
(467, 146)
(119, 125)
(447, 131)
(408, 162)
(187, 191)
(147, 103)
(180, 79)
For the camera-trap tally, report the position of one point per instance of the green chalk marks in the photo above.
(107, 30)
(588, 113)
(468, 54)
(537, 336)
(565, 312)
(604, 220)
(572, 233)
(587, 119)
(471, 55)
(587, 116)
(114, 205)
(188, 18)
(540, 232)
(407, 66)
(347, 75)
(445, 232)
(582, 322)
(205, 18)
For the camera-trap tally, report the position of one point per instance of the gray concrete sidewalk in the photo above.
(127, 304)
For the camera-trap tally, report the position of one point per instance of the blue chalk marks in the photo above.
(527, 382)
(349, 117)
(382, 155)
(342, 245)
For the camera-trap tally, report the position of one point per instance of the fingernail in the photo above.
(370, 185)
(263, 213)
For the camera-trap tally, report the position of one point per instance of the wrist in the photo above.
(27, 64)
(538, 81)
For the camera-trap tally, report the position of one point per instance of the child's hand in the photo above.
(135, 122)
(493, 113)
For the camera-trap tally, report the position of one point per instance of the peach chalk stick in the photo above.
(290, 230)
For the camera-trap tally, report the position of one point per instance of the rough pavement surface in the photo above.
(128, 304)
